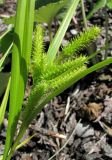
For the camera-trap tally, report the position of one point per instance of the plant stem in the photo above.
(84, 14)
(50, 32)
(106, 33)
(92, 47)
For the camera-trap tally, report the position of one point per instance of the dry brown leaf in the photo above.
(106, 128)
(93, 110)
(107, 109)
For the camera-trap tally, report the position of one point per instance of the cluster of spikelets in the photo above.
(50, 80)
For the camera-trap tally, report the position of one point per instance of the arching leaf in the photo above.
(40, 3)
(109, 4)
(48, 12)
(99, 4)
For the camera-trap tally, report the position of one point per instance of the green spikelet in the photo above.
(57, 70)
(59, 75)
(53, 79)
(47, 90)
(36, 94)
(65, 80)
(42, 93)
(38, 50)
(81, 42)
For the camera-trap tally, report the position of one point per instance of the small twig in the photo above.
(67, 106)
(66, 117)
(55, 134)
(76, 91)
(74, 20)
(65, 142)
(48, 132)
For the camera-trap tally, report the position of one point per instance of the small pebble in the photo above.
(73, 32)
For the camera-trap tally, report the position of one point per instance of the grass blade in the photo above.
(53, 49)
(99, 5)
(4, 57)
(25, 141)
(15, 75)
(20, 61)
(4, 103)
(7, 31)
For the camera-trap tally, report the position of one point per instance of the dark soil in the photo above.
(89, 101)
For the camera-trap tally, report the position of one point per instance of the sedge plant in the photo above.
(50, 79)
(51, 74)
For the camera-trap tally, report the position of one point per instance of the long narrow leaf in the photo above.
(99, 5)
(15, 75)
(7, 31)
(53, 49)
(4, 56)
(26, 49)
(20, 61)
(4, 103)
(25, 141)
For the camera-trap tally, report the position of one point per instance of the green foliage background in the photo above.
(40, 3)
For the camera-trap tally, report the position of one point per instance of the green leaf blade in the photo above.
(53, 49)
(51, 11)
(99, 5)
(4, 103)
(81, 42)
(18, 78)
(109, 4)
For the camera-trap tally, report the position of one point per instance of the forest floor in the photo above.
(77, 124)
